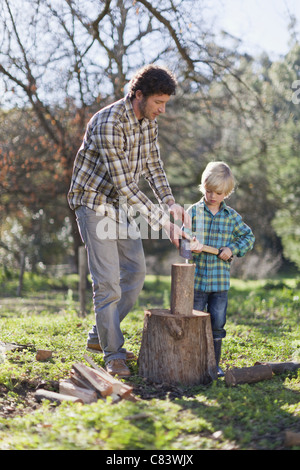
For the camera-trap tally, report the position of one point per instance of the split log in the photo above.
(248, 374)
(177, 349)
(67, 387)
(118, 388)
(182, 288)
(79, 381)
(95, 381)
(292, 439)
(55, 397)
(281, 367)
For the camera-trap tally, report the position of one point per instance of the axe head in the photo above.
(185, 249)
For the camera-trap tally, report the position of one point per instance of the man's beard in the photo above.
(143, 108)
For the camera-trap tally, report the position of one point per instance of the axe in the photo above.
(185, 249)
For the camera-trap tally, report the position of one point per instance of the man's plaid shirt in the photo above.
(115, 152)
(226, 228)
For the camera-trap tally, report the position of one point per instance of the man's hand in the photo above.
(174, 233)
(179, 213)
(195, 245)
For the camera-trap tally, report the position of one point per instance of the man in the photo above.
(120, 145)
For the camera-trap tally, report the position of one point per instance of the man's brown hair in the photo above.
(153, 80)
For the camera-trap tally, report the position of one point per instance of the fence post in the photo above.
(82, 265)
(21, 275)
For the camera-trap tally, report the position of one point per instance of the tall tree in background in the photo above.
(61, 60)
(284, 151)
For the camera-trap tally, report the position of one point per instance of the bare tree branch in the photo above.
(181, 49)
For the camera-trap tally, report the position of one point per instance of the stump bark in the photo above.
(177, 344)
(177, 349)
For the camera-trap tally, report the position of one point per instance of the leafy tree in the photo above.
(284, 172)
(56, 56)
(61, 60)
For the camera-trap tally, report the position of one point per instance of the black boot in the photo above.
(218, 347)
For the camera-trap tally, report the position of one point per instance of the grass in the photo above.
(262, 325)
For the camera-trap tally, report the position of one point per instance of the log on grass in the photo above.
(177, 349)
(67, 387)
(292, 439)
(55, 397)
(248, 374)
(281, 367)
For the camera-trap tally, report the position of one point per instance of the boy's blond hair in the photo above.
(218, 177)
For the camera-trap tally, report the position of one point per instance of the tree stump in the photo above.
(177, 344)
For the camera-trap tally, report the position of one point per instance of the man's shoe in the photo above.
(118, 367)
(96, 348)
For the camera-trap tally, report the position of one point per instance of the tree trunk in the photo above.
(21, 274)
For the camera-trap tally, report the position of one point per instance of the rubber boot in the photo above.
(218, 347)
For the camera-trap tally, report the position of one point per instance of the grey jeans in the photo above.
(117, 268)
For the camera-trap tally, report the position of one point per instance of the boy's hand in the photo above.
(225, 253)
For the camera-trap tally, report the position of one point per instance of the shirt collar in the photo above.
(130, 112)
(223, 206)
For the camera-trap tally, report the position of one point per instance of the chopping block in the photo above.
(177, 343)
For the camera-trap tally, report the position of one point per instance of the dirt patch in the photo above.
(21, 399)
(149, 390)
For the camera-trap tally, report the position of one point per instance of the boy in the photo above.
(218, 225)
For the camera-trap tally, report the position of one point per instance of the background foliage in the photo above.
(63, 60)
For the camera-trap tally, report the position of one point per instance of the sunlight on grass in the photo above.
(263, 325)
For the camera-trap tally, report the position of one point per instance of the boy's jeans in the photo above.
(117, 268)
(214, 303)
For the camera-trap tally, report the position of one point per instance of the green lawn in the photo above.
(262, 325)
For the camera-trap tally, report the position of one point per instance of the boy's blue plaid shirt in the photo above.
(226, 228)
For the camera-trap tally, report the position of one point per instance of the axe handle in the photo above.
(206, 248)
(210, 249)
(186, 253)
